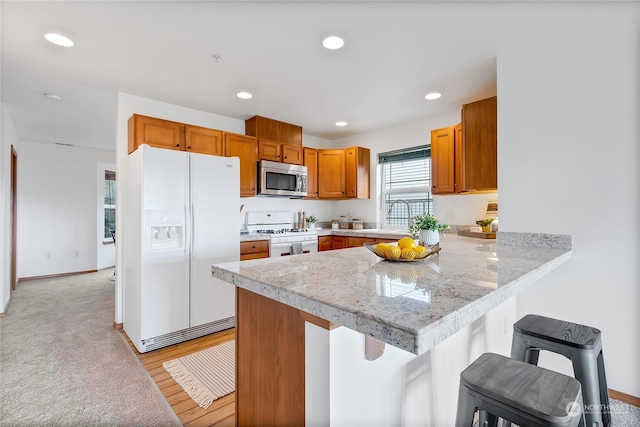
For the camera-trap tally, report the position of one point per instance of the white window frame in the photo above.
(426, 189)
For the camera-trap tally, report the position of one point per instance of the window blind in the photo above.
(406, 177)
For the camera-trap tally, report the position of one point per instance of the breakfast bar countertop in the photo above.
(410, 305)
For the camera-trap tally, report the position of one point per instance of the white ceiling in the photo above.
(394, 53)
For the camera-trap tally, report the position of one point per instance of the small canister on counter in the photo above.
(357, 224)
(334, 224)
(345, 222)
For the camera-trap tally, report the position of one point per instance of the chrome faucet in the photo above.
(409, 218)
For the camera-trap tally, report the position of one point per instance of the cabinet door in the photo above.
(246, 148)
(458, 170)
(357, 172)
(331, 174)
(480, 145)
(203, 140)
(254, 249)
(339, 242)
(311, 162)
(269, 150)
(442, 160)
(155, 133)
(325, 243)
(355, 242)
(292, 154)
(263, 127)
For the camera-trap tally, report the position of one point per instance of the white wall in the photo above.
(8, 137)
(57, 208)
(568, 163)
(459, 209)
(130, 104)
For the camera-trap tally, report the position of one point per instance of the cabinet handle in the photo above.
(253, 246)
(177, 145)
(189, 147)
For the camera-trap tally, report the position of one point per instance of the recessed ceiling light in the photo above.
(52, 97)
(333, 42)
(433, 95)
(244, 95)
(341, 124)
(58, 39)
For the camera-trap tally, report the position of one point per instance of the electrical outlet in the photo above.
(86, 253)
(77, 252)
(449, 214)
(47, 255)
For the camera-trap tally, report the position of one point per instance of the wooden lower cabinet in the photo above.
(254, 249)
(339, 242)
(270, 362)
(325, 243)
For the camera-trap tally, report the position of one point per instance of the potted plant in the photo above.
(427, 228)
(311, 221)
(485, 224)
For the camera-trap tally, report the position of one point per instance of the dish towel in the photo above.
(296, 248)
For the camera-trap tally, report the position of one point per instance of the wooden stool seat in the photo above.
(519, 392)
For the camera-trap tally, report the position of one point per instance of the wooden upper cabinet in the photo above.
(269, 150)
(357, 172)
(246, 148)
(292, 154)
(279, 152)
(203, 140)
(263, 127)
(464, 158)
(443, 160)
(479, 161)
(155, 133)
(310, 156)
(331, 174)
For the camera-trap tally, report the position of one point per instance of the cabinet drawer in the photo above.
(254, 247)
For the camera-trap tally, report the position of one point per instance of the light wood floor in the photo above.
(221, 413)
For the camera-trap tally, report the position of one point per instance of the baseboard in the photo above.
(117, 326)
(624, 397)
(50, 276)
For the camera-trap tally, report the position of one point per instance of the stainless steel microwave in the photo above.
(282, 179)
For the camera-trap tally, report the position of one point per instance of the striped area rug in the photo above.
(206, 375)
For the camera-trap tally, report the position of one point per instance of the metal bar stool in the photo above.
(582, 344)
(501, 387)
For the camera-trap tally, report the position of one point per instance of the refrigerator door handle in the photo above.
(192, 233)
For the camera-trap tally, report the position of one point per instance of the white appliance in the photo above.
(284, 238)
(181, 216)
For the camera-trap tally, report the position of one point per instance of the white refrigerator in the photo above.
(181, 216)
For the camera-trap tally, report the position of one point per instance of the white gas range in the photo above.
(280, 228)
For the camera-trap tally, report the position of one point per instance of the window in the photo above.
(109, 204)
(406, 180)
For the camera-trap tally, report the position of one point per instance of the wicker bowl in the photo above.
(431, 250)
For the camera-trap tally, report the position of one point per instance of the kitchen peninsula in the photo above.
(303, 323)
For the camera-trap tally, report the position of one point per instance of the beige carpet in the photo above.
(206, 375)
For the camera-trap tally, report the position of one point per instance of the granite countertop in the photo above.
(410, 305)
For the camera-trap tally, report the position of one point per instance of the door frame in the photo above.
(14, 216)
